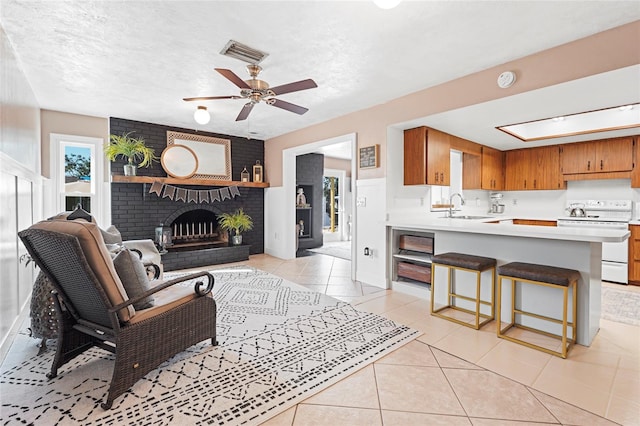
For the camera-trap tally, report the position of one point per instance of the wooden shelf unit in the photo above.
(176, 181)
(412, 253)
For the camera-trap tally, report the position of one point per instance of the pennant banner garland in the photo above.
(156, 188)
(192, 195)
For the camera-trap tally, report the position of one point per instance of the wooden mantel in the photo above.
(176, 181)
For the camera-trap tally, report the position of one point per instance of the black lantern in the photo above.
(163, 237)
(257, 172)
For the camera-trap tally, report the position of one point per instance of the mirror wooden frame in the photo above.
(212, 154)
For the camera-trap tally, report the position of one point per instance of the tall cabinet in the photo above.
(426, 157)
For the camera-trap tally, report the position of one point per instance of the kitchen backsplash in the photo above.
(547, 204)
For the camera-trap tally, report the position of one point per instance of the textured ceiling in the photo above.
(138, 59)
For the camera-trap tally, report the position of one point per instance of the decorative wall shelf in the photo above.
(176, 181)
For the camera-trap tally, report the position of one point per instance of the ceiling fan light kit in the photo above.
(255, 91)
(201, 115)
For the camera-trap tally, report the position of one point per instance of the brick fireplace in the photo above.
(136, 213)
(195, 228)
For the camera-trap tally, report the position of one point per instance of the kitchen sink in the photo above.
(467, 217)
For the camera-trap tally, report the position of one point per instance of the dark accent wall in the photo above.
(309, 171)
(136, 213)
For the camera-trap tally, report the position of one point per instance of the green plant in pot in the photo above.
(236, 223)
(133, 149)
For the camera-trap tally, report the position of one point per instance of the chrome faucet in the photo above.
(451, 202)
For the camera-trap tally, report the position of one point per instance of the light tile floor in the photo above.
(453, 375)
(456, 375)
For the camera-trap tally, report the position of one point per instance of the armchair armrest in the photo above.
(197, 288)
(152, 269)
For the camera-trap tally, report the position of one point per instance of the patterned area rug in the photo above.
(620, 305)
(278, 345)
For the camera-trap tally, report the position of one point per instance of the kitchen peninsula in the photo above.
(574, 248)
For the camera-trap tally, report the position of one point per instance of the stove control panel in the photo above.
(616, 210)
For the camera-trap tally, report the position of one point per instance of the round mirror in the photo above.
(179, 161)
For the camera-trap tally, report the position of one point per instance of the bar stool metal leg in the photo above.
(456, 262)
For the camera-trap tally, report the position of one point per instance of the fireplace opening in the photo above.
(196, 229)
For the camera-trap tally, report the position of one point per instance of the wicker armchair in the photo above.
(93, 308)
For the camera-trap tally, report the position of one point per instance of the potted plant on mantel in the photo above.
(237, 222)
(134, 149)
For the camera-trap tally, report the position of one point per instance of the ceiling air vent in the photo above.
(243, 52)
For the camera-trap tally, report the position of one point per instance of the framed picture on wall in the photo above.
(369, 157)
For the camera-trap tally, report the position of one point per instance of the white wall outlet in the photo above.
(515, 202)
(361, 202)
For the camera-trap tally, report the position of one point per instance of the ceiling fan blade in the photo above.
(232, 77)
(211, 98)
(245, 111)
(294, 87)
(288, 106)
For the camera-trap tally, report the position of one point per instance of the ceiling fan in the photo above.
(256, 90)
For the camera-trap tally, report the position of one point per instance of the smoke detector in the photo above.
(506, 79)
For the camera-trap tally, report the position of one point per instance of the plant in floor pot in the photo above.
(236, 223)
(133, 149)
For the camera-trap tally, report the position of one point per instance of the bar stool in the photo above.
(541, 275)
(463, 262)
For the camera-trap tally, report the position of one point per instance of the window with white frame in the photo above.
(77, 174)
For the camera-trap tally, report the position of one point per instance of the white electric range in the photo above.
(609, 214)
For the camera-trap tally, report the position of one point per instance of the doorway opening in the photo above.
(336, 208)
(346, 142)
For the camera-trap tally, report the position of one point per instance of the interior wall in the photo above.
(19, 112)
(20, 187)
(338, 164)
(570, 61)
(70, 124)
(371, 232)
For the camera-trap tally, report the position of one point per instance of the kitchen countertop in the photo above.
(566, 247)
(480, 226)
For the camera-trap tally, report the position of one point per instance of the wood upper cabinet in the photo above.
(426, 157)
(546, 168)
(602, 156)
(483, 171)
(634, 255)
(492, 169)
(516, 170)
(533, 168)
(471, 171)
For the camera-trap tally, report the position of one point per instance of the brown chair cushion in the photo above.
(97, 255)
(542, 273)
(476, 263)
(134, 277)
